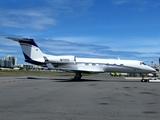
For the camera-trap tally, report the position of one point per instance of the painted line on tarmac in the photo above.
(15, 81)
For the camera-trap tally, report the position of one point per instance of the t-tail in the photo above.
(31, 51)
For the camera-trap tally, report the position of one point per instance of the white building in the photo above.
(8, 61)
(12, 59)
(11, 62)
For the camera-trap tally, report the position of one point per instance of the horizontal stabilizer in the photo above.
(19, 39)
(23, 40)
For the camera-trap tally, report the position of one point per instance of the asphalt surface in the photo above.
(96, 97)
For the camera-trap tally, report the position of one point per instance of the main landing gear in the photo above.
(78, 76)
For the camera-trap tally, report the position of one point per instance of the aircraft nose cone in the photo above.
(153, 70)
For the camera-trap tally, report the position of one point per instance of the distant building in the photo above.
(11, 62)
(12, 59)
(1, 62)
(8, 62)
(28, 67)
(31, 67)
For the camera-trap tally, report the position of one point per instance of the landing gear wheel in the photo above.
(144, 80)
(77, 78)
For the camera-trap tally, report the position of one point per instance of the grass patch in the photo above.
(19, 72)
(22, 72)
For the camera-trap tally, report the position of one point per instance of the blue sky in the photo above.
(128, 29)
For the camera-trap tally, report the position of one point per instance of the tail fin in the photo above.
(30, 49)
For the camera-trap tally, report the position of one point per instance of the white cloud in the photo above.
(26, 19)
(83, 40)
(118, 2)
(43, 15)
(134, 44)
(141, 4)
(6, 51)
(7, 42)
(62, 47)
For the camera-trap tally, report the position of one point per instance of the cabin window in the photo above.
(107, 64)
(55, 65)
(93, 64)
(114, 64)
(86, 63)
(121, 65)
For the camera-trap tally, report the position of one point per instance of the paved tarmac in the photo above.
(96, 97)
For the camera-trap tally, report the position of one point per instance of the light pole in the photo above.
(151, 63)
(159, 67)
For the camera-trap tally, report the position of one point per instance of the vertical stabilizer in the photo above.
(30, 49)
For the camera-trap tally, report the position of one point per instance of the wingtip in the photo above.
(6, 37)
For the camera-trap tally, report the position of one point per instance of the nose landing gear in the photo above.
(144, 80)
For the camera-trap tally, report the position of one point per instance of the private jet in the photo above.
(34, 55)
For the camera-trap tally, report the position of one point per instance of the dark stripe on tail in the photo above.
(29, 60)
(28, 41)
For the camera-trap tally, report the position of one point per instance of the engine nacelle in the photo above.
(62, 59)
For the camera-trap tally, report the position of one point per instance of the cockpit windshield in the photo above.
(142, 63)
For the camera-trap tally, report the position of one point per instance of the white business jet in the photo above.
(34, 55)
